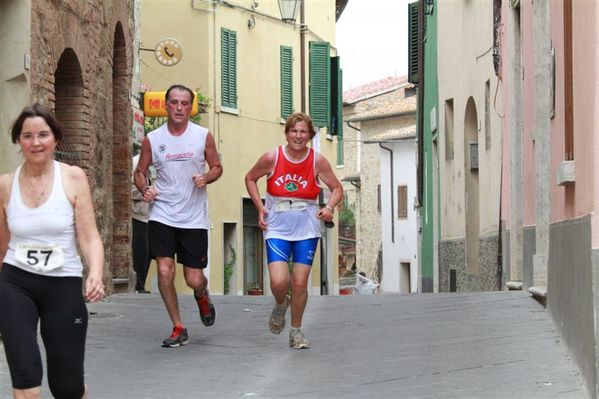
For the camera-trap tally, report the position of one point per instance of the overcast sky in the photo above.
(372, 40)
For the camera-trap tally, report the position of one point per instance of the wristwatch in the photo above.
(330, 209)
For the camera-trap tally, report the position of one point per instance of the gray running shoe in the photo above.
(178, 338)
(297, 340)
(277, 317)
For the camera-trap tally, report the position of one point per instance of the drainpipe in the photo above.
(303, 56)
(390, 188)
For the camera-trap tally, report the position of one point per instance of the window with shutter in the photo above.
(320, 83)
(413, 42)
(402, 202)
(286, 81)
(228, 60)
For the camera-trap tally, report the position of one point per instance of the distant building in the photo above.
(373, 109)
(399, 216)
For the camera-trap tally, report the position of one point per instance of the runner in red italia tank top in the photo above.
(290, 218)
(293, 179)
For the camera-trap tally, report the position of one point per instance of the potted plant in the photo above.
(254, 288)
(203, 102)
(228, 269)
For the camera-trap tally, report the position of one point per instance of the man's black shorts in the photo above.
(190, 245)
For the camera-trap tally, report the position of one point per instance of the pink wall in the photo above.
(578, 199)
(558, 193)
(528, 108)
(583, 197)
(585, 102)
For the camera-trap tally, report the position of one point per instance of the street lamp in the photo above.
(289, 9)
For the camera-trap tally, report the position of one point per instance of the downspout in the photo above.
(303, 56)
(420, 106)
(391, 189)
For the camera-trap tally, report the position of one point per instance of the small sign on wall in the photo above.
(433, 119)
(155, 104)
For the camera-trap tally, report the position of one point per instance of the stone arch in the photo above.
(121, 166)
(472, 195)
(72, 111)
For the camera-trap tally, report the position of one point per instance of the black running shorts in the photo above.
(189, 245)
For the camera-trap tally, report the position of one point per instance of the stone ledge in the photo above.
(514, 285)
(566, 173)
(539, 293)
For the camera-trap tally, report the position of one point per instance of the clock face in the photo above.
(168, 52)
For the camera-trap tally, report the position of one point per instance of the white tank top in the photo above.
(38, 234)
(176, 159)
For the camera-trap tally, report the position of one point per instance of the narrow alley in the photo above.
(458, 345)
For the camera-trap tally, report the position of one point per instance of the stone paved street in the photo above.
(476, 345)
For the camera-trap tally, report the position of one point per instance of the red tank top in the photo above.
(290, 179)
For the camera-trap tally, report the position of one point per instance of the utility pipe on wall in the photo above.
(391, 189)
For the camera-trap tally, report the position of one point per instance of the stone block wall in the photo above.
(81, 64)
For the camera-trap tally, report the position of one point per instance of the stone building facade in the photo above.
(368, 111)
(78, 60)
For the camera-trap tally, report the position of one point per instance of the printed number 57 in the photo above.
(33, 256)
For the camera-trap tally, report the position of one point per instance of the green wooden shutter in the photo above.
(320, 83)
(286, 81)
(336, 97)
(228, 58)
(413, 43)
(340, 154)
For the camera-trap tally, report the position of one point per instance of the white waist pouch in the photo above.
(290, 205)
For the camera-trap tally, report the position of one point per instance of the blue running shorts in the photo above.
(278, 250)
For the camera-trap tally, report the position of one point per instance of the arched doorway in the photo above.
(120, 256)
(71, 109)
(471, 195)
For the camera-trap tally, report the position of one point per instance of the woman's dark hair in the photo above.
(179, 87)
(34, 110)
(300, 117)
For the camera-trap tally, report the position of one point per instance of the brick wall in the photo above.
(81, 63)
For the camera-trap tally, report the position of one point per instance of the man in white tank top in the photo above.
(178, 217)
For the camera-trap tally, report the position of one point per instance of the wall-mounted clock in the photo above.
(168, 52)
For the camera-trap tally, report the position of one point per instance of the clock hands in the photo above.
(168, 52)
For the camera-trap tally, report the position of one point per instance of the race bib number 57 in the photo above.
(40, 257)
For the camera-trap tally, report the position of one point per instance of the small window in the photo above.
(402, 202)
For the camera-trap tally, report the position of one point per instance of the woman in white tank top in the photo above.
(45, 206)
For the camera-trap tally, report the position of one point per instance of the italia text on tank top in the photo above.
(292, 182)
(293, 179)
(40, 237)
(176, 159)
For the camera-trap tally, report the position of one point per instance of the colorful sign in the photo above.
(138, 126)
(155, 104)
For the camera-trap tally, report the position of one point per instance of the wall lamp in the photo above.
(289, 9)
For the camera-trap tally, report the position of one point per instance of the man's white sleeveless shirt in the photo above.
(176, 159)
(52, 223)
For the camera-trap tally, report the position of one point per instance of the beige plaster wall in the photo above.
(15, 31)
(244, 134)
(465, 65)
